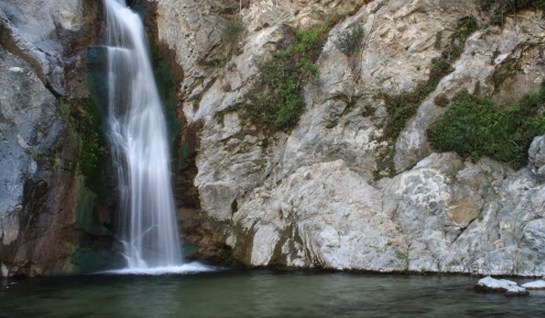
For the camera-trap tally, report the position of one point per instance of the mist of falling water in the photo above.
(138, 134)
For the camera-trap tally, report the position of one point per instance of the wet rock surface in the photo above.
(42, 46)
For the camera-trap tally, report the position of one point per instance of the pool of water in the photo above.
(260, 293)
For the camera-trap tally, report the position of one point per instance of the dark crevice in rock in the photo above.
(52, 90)
(278, 257)
(234, 207)
(187, 195)
(245, 243)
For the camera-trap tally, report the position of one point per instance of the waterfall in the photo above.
(138, 136)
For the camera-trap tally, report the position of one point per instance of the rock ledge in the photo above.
(510, 288)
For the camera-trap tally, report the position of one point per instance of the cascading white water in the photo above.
(138, 134)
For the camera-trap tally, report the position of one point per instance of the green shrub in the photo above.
(476, 127)
(400, 255)
(232, 30)
(508, 69)
(402, 107)
(466, 27)
(276, 100)
(499, 9)
(350, 39)
(441, 100)
(511, 5)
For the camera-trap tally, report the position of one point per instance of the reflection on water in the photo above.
(260, 294)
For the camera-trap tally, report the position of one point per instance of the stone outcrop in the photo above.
(510, 288)
(536, 155)
(534, 285)
(42, 58)
(317, 196)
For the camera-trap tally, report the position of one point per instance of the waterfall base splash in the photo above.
(187, 268)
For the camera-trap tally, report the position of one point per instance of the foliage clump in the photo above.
(350, 39)
(232, 30)
(402, 107)
(508, 69)
(476, 127)
(499, 9)
(276, 101)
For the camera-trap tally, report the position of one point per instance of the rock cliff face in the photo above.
(338, 190)
(42, 58)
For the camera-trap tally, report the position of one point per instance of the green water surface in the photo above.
(260, 294)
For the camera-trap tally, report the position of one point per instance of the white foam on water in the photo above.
(187, 268)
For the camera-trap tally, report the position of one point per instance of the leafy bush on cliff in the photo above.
(499, 9)
(476, 127)
(232, 30)
(276, 101)
(349, 40)
(403, 106)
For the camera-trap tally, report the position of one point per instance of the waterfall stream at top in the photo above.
(138, 135)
